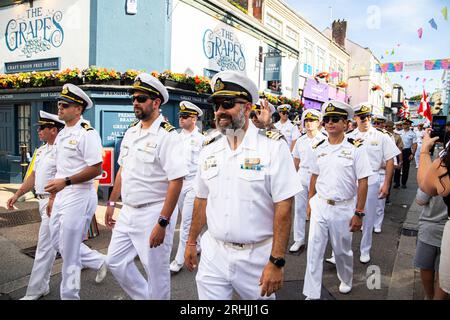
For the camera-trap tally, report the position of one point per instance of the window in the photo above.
(274, 24)
(341, 71)
(291, 34)
(308, 57)
(50, 107)
(24, 125)
(320, 60)
(333, 68)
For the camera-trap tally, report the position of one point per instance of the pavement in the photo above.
(389, 275)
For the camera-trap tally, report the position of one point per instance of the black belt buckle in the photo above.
(331, 202)
(235, 244)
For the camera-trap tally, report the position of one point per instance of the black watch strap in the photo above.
(359, 214)
(279, 262)
(68, 181)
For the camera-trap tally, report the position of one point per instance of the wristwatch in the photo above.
(111, 204)
(359, 214)
(67, 181)
(279, 262)
(163, 221)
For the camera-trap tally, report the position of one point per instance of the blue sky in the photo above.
(383, 24)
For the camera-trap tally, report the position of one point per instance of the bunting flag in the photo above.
(392, 52)
(401, 76)
(444, 13)
(433, 24)
(398, 44)
(407, 77)
(382, 57)
(387, 52)
(420, 33)
(424, 79)
(417, 79)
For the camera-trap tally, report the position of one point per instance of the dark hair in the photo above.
(445, 162)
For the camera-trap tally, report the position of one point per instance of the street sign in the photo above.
(107, 178)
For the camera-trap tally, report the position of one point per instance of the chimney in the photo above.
(339, 30)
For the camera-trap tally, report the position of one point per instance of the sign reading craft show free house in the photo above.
(44, 37)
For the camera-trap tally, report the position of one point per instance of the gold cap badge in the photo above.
(219, 85)
(65, 90)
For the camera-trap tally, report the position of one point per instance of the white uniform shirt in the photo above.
(339, 167)
(76, 149)
(241, 186)
(149, 161)
(408, 138)
(289, 131)
(419, 136)
(192, 144)
(304, 152)
(44, 167)
(380, 148)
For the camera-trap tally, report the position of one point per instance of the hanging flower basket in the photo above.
(95, 75)
(387, 95)
(342, 84)
(376, 87)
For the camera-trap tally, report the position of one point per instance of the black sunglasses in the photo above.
(184, 116)
(44, 126)
(364, 117)
(227, 104)
(334, 119)
(141, 98)
(63, 105)
(284, 112)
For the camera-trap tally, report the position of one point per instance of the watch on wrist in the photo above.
(67, 181)
(111, 204)
(163, 221)
(279, 262)
(359, 214)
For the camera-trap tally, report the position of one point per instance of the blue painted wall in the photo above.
(121, 41)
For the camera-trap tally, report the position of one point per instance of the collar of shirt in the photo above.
(153, 128)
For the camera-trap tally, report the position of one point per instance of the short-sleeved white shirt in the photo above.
(149, 161)
(408, 138)
(289, 131)
(44, 167)
(76, 149)
(380, 148)
(192, 144)
(339, 167)
(304, 152)
(242, 185)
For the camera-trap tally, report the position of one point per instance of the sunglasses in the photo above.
(311, 120)
(227, 104)
(141, 98)
(334, 119)
(44, 126)
(63, 105)
(364, 117)
(184, 116)
(284, 112)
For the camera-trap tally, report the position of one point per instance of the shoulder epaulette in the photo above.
(211, 140)
(384, 131)
(302, 134)
(350, 131)
(271, 134)
(357, 143)
(134, 123)
(325, 134)
(86, 126)
(167, 126)
(318, 143)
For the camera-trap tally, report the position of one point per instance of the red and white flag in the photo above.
(424, 107)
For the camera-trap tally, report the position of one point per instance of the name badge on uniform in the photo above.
(73, 142)
(321, 155)
(149, 147)
(374, 143)
(346, 152)
(251, 164)
(210, 162)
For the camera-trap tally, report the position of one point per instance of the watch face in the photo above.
(163, 222)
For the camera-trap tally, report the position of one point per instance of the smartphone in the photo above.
(438, 124)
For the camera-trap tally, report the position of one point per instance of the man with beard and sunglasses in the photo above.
(244, 189)
(302, 153)
(381, 151)
(192, 143)
(73, 197)
(44, 170)
(149, 182)
(340, 169)
(285, 126)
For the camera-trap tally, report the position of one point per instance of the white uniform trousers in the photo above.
(130, 238)
(72, 213)
(44, 258)
(369, 219)
(333, 220)
(223, 268)
(186, 207)
(381, 205)
(301, 200)
(417, 154)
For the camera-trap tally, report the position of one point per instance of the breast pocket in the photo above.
(210, 177)
(250, 184)
(146, 159)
